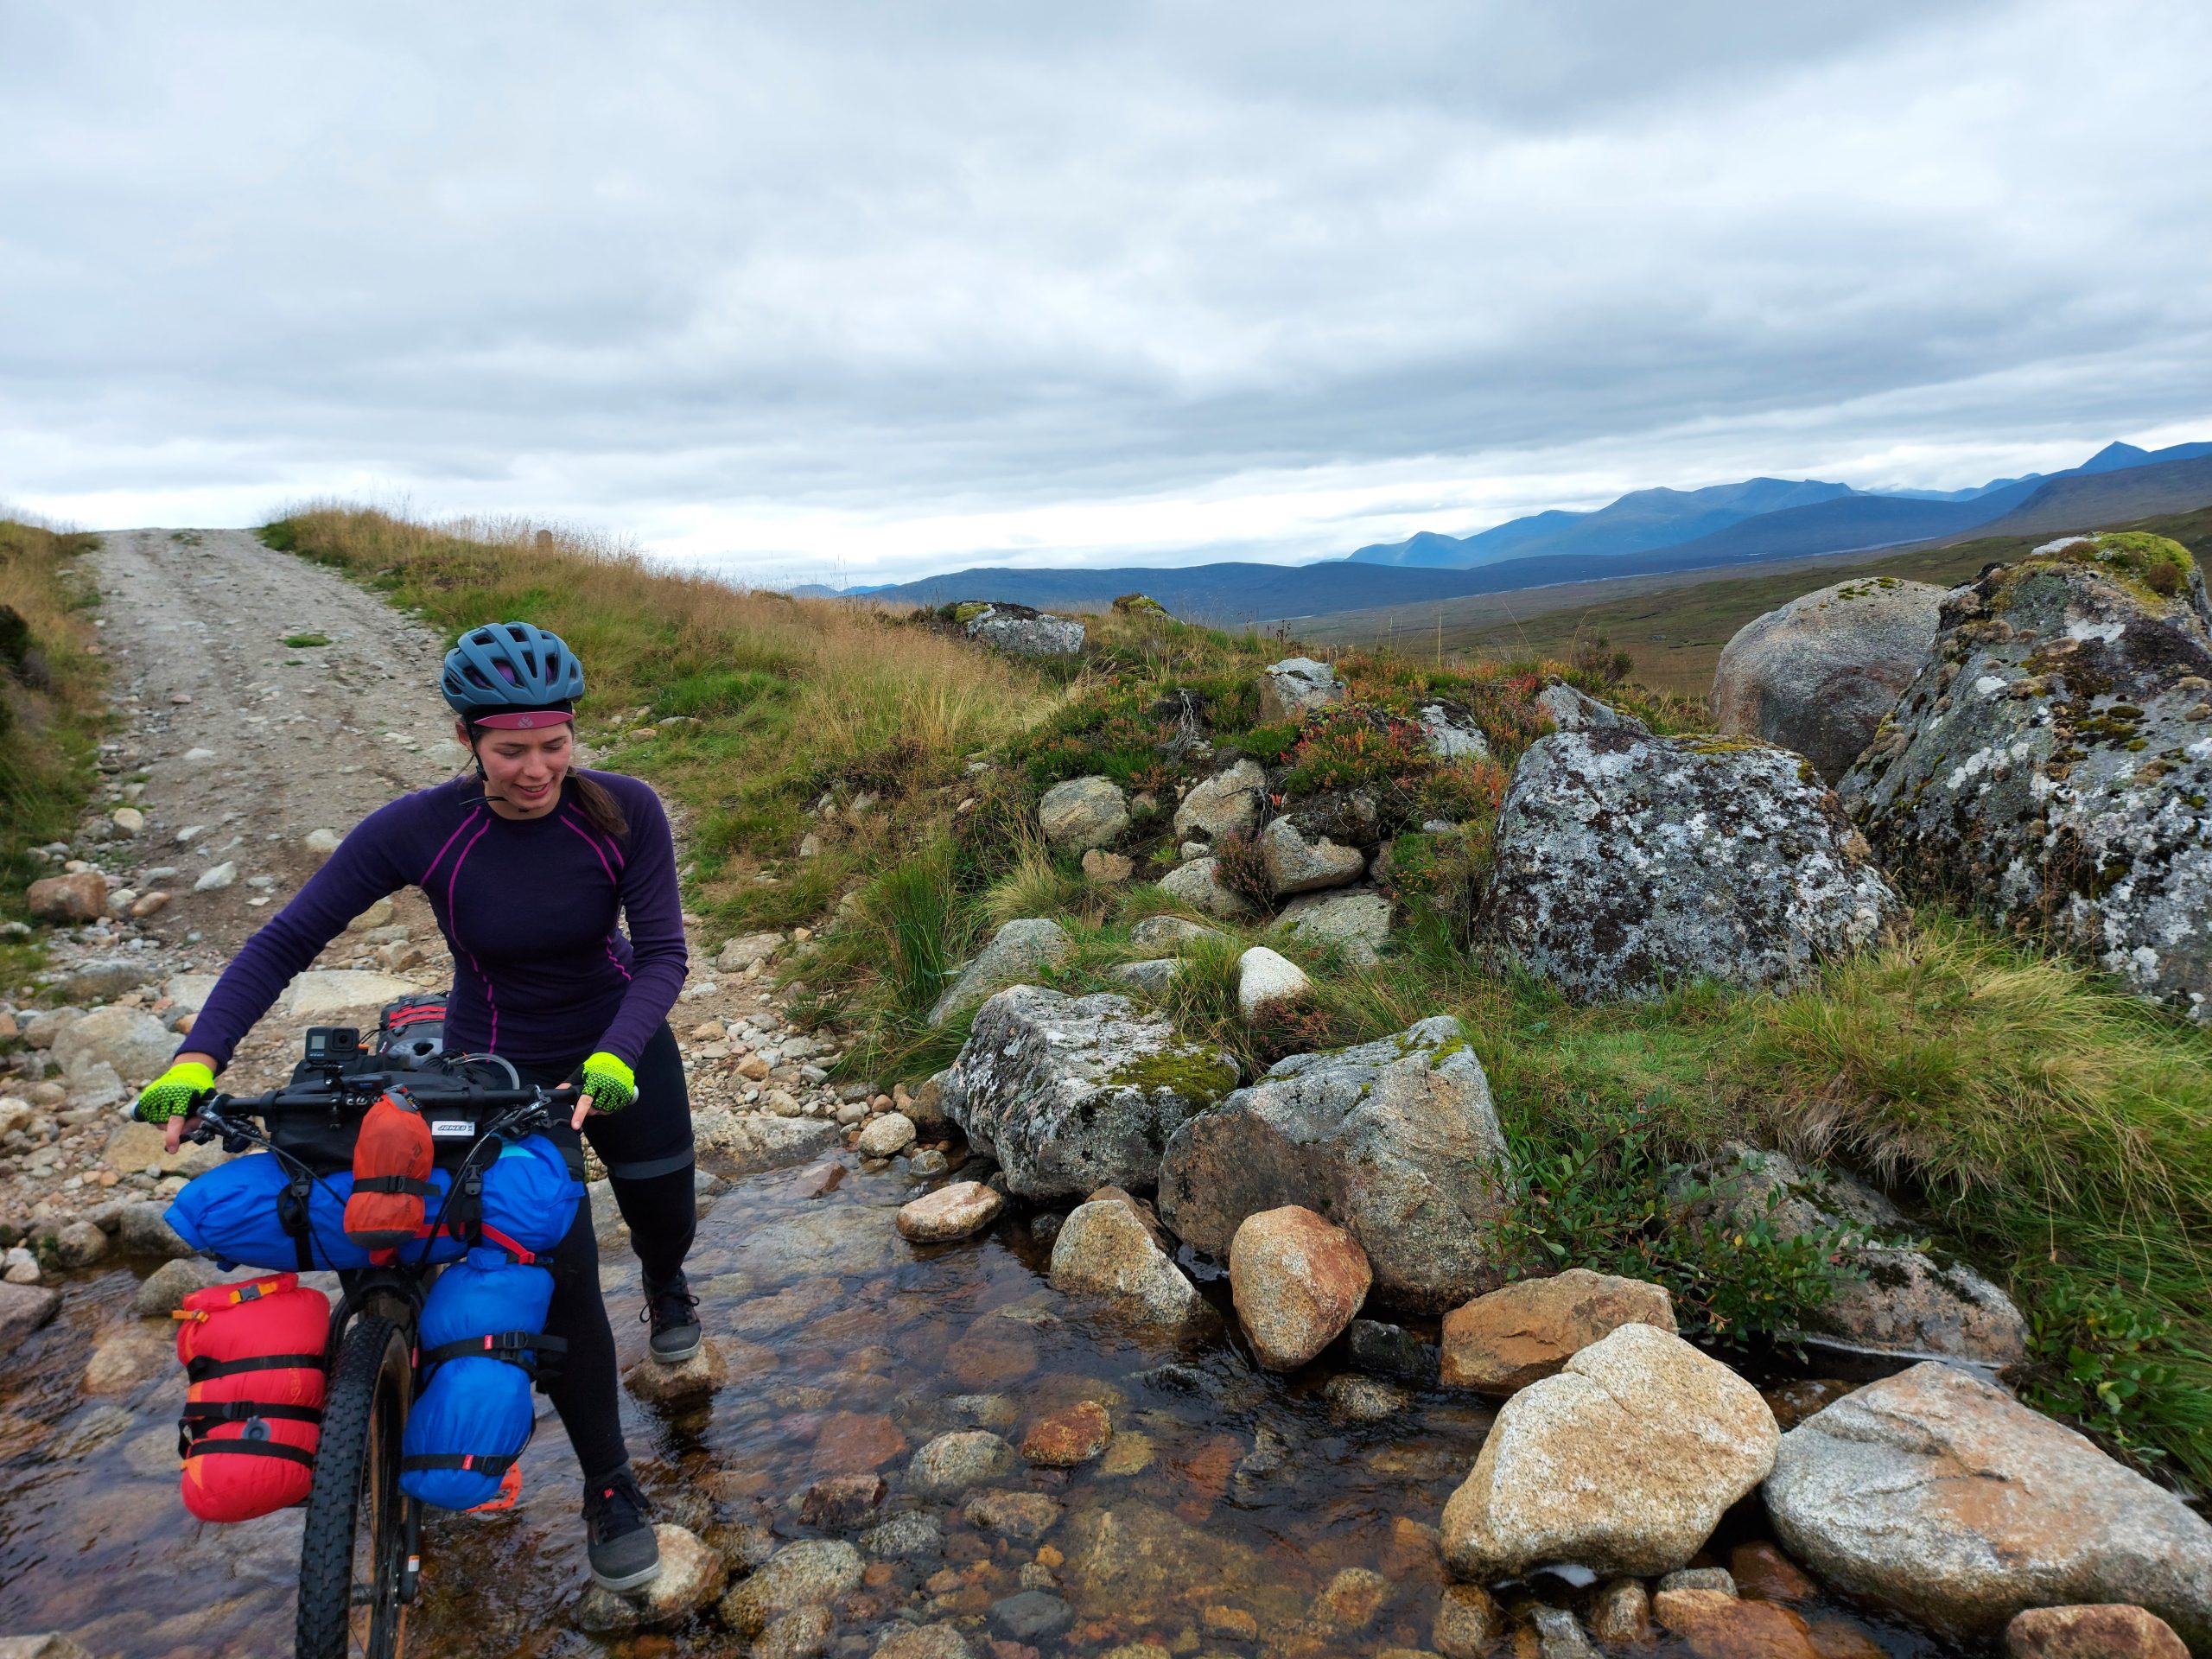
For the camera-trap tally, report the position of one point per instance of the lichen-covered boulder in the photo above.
(1452, 732)
(1570, 710)
(1395, 1141)
(1818, 674)
(2050, 767)
(1083, 813)
(1356, 920)
(1944, 1496)
(1627, 864)
(1295, 687)
(1199, 883)
(1016, 951)
(1104, 1250)
(1019, 630)
(1071, 1094)
(1899, 1300)
(1294, 864)
(1227, 803)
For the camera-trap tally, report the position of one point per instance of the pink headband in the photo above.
(527, 722)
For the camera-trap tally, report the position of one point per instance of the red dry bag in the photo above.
(252, 1417)
(391, 1176)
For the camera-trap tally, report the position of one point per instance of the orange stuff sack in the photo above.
(391, 1176)
(253, 1354)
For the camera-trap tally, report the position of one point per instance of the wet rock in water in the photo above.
(1905, 1302)
(78, 1244)
(855, 1442)
(1559, 1634)
(812, 1573)
(1104, 1250)
(1070, 1437)
(839, 1502)
(1199, 883)
(1944, 1496)
(1364, 1399)
(1385, 1350)
(907, 1537)
(1356, 920)
(1083, 813)
(1170, 932)
(52, 1645)
(1227, 803)
(1717, 1626)
(691, 1576)
(1793, 1402)
(887, 1134)
(704, 1372)
(143, 1229)
(1764, 1573)
(1235, 1623)
(2110, 1631)
(1716, 1579)
(1295, 687)
(1069, 1094)
(1297, 1280)
(1348, 1602)
(1133, 1553)
(124, 1359)
(924, 1641)
(1023, 1517)
(927, 1162)
(1622, 1463)
(1817, 674)
(1466, 1619)
(1295, 865)
(802, 1633)
(1267, 979)
(88, 1430)
(1628, 864)
(1500, 1343)
(950, 1464)
(1021, 631)
(2047, 767)
(1620, 1612)
(1015, 955)
(23, 1309)
(1395, 1141)
(1031, 1616)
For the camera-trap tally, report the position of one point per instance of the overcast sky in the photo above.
(828, 290)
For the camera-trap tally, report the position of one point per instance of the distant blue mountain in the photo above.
(1638, 522)
(2118, 457)
(1962, 495)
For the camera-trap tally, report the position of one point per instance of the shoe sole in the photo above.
(635, 1581)
(674, 1359)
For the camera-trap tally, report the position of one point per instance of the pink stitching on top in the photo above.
(574, 830)
(453, 914)
(450, 839)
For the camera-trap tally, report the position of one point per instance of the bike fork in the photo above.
(410, 1575)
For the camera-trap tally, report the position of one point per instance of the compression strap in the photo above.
(201, 1368)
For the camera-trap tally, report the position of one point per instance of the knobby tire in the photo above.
(356, 1487)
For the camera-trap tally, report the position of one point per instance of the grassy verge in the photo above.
(2059, 1131)
(50, 703)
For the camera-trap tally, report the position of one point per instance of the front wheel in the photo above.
(353, 1557)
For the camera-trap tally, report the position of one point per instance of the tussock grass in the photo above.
(50, 706)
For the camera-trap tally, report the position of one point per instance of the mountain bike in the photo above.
(360, 1556)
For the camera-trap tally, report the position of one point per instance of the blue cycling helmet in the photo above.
(510, 665)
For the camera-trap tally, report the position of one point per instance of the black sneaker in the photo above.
(619, 1528)
(672, 1311)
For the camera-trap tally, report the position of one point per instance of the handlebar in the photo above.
(216, 1116)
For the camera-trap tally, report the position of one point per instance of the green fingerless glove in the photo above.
(609, 1082)
(175, 1093)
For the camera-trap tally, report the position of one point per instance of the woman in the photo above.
(525, 866)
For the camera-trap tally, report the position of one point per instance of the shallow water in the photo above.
(849, 1348)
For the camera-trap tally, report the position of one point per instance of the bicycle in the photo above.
(361, 1555)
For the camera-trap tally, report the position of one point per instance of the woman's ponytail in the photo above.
(600, 810)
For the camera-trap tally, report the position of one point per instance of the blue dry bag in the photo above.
(481, 1341)
(530, 1197)
(252, 1210)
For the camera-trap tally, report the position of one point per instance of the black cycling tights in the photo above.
(646, 1148)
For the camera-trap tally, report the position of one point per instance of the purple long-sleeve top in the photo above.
(542, 971)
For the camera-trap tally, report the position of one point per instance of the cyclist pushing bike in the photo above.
(527, 866)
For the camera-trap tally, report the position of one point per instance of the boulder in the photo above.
(96, 981)
(189, 992)
(1069, 1094)
(1023, 1517)
(1817, 674)
(746, 951)
(1133, 1553)
(2109, 1630)
(950, 1464)
(1570, 710)
(1942, 1495)
(1295, 687)
(1904, 1302)
(705, 1372)
(1622, 1463)
(1452, 732)
(1627, 865)
(1356, 921)
(81, 897)
(959, 1211)
(1152, 977)
(1014, 955)
(813, 1573)
(1395, 1141)
(1227, 803)
(1021, 632)
(333, 990)
(1199, 883)
(924, 1642)
(162, 1291)
(1500, 1343)
(143, 1229)
(132, 1041)
(42, 1027)
(134, 1147)
(1267, 978)
(1297, 1280)
(691, 1576)
(886, 1135)
(1103, 1249)
(1171, 932)
(1110, 869)
(2048, 768)
(1294, 864)
(23, 1309)
(1083, 813)
(1069, 1438)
